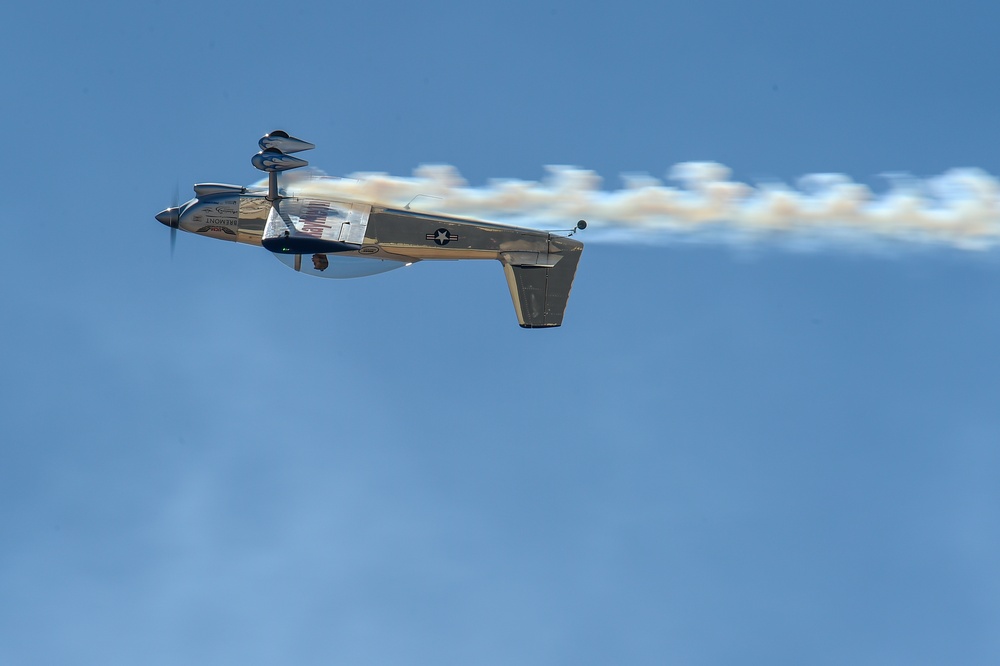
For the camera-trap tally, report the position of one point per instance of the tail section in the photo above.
(540, 282)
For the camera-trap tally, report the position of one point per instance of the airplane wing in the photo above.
(540, 282)
(305, 226)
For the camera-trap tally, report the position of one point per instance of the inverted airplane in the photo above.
(342, 238)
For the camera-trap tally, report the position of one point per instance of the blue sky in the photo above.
(750, 455)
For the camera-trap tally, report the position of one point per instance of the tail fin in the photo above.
(540, 282)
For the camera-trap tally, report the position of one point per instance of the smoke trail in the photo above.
(960, 208)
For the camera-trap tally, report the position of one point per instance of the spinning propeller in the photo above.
(171, 217)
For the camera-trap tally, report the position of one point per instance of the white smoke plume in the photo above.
(960, 208)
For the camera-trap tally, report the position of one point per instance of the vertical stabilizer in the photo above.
(540, 282)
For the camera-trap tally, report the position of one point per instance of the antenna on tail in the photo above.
(580, 226)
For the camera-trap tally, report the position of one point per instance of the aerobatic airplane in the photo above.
(341, 238)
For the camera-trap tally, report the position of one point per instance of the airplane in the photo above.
(317, 235)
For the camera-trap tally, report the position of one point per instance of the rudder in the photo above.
(540, 283)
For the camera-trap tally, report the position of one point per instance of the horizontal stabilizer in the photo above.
(540, 282)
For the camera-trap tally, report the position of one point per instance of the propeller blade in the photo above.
(173, 229)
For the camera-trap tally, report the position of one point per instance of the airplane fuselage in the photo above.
(330, 237)
(354, 229)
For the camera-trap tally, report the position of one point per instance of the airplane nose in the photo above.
(169, 217)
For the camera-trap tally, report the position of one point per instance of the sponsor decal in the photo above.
(216, 228)
(314, 216)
